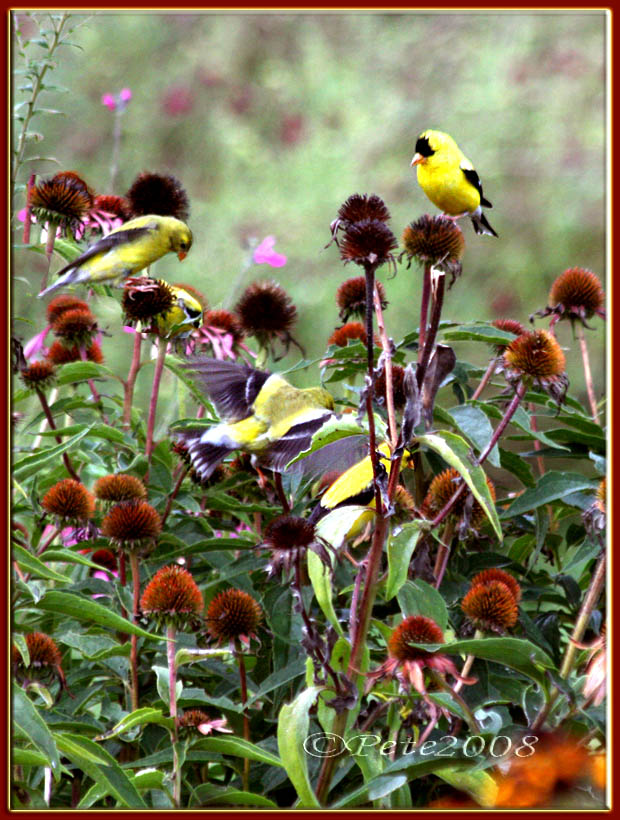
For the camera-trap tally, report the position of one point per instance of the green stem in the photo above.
(469, 662)
(587, 371)
(162, 344)
(243, 683)
(172, 685)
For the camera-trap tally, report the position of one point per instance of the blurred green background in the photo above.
(271, 120)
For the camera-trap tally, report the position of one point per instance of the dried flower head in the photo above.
(69, 501)
(267, 312)
(407, 662)
(233, 614)
(441, 490)
(38, 375)
(59, 354)
(201, 722)
(106, 559)
(288, 537)
(351, 297)
(577, 293)
(145, 298)
(115, 205)
(398, 384)
(496, 574)
(63, 200)
(403, 504)
(368, 242)
(601, 496)
(362, 206)
(119, 487)
(172, 597)
(352, 331)
(225, 322)
(414, 629)
(62, 303)
(160, 194)
(435, 240)
(536, 357)
(132, 524)
(509, 326)
(76, 326)
(491, 606)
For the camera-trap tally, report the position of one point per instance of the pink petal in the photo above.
(102, 575)
(109, 101)
(125, 94)
(264, 254)
(35, 344)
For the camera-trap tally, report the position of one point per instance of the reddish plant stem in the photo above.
(437, 305)
(370, 390)
(162, 344)
(135, 576)
(130, 384)
(485, 379)
(426, 292)
(537, 445)
(277, 478)
(49, 250)
(243, 685)
(173, 495)
(43, 547)
(389, 380)
(172, 691)
(587, 372)
(122, 579)
(443, 553)
(50, 421)
(91, 384)
(510, 411)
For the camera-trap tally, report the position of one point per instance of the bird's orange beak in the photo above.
(182, 255)
(417, 159)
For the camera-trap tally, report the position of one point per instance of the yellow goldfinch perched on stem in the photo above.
(127, 250)
(262, 414)
(183, 317)
(449, 179)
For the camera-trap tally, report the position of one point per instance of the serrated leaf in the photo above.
(32, 464)
(400, 548)
(293, 723)
(75, 606)
(321, 580)
(455, 451)
(553, 486)
(27, 718)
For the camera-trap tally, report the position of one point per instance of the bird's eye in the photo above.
(183, 246)
(423, 147)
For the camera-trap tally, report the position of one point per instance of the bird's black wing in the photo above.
(472, 177)
(232, 387)
(106, 243)
(297, 439)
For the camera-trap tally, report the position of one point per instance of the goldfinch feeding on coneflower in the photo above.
(449, 179)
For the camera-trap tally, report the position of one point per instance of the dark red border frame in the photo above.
(614, 370)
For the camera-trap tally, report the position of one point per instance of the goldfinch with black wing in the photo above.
(127, 250)
(261, 414)
(450, 180)
(182, 318)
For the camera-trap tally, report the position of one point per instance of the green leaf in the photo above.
(553, 486)
(419, 598)
(99, 765)
(522, 420)
(139, 717)
(222, 796)
(30, 465)
(27, 718)
(477, 783)
(293, 722)
(95, 431)
(455, 451)
(400, 548)
(475, 425)
(30, 563)
(187, 655)
(74, 372)
(321, 579)
(238, 747)
(479, 333)
(517, 466)
(74, 606)
(163, 683)
(516, 653)
(69, 557)
(335, 526)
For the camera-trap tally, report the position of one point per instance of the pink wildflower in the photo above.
(265, 255)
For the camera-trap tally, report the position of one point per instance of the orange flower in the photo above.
(233, 614)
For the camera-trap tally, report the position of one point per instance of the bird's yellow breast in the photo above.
(446, 186)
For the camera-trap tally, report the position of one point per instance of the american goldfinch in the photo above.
(449, 179)
(127, 250)
(261, 413)
(184, 316)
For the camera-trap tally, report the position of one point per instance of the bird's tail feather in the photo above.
(204, 455)
(71, 277)
(481, 224)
